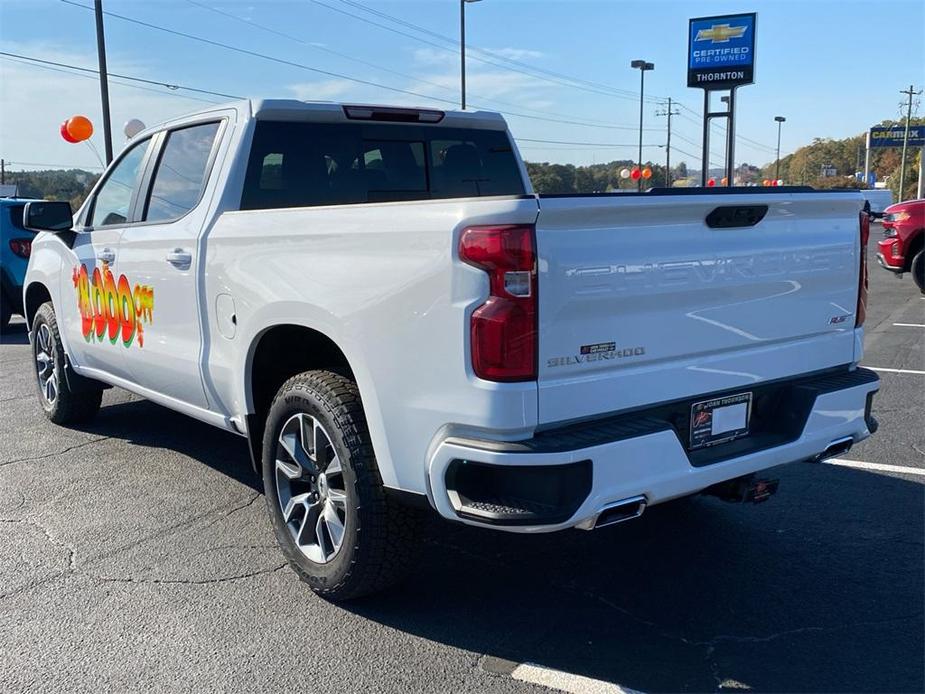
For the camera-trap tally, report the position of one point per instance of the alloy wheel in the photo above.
(45, 365)
(310, 488)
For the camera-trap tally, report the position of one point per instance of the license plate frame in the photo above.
(729, 408)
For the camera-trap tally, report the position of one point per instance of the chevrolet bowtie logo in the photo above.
(720, 33)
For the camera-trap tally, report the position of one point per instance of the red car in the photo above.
(900, 250)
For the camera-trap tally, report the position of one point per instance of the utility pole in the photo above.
(104, 78)
(462, 51)
(910, 92)
(668, 112)
(2, 171)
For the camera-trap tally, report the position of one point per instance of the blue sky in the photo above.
(831, 67)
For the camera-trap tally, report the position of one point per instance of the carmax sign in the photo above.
(892, 136)
(721, 51)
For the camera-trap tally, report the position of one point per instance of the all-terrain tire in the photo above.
(379, 534)
(67, 406)
(918, 270)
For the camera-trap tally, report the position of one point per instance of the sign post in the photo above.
(720, 56)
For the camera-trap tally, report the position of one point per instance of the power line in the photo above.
(591, 144)
(346, 56)
(474, 57)
(622, 93)
(54, 166)
(329, 73)
(90, 77)
(114, 74)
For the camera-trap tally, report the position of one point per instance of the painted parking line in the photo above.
(565, 681)
(531, 673)
(909, 325)
(876, 467)
(895, 371)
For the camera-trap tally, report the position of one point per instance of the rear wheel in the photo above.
(60, 404)
(918, 270)
(334, 523)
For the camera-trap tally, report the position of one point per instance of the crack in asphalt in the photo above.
(53, 453)
(187, 581)
(72, 569)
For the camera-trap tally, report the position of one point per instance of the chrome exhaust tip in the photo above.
(835, 448)
(616, 512)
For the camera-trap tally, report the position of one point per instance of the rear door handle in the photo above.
(106, 255)
(179, 257)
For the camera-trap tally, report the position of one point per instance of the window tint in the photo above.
(305, 164)
(181, 172)
(16, 216)
(111, 205)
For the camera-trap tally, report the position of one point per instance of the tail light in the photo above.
(21, 247)
(861, 313)
(503, 330)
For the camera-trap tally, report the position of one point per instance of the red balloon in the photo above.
(711, 182)
(65, 134)
(635, 173)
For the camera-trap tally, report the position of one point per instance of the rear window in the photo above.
(16, 216)
(307, 164)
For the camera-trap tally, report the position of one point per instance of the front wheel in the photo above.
(60, 403)
(918, 270)
(334, 523)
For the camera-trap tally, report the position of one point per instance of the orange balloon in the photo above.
(647, 173)
(725, 180)
(79, 128)
(766, 182)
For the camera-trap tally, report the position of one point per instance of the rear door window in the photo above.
(308, 164)
(181, 172)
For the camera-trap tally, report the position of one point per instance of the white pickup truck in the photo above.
(376, 299)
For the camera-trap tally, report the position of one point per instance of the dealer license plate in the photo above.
(720, 420)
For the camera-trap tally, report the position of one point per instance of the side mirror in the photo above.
(48, 216)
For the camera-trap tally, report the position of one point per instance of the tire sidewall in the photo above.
(45, 316)
(918, 270)
(292, 401)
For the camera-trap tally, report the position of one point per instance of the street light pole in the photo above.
(642, 66)
(462, 51)
(780, 120)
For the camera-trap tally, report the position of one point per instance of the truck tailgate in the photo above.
(642, 302)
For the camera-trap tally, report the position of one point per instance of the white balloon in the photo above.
(624, 173)
(133, 127)
(780, 181)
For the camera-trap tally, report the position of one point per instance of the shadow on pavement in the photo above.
(820, 589)
(14, 334)
(144, 423)
(817, 590)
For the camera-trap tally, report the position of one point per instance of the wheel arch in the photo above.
(916, 244)
(274, 355)
(36, 294)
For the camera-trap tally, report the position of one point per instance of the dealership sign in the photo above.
(721, 51)
(893, 136)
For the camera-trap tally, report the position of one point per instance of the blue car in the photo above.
(15, 247)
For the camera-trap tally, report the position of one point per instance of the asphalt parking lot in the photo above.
(136, 555)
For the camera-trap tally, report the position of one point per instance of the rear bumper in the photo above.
(590, 467)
